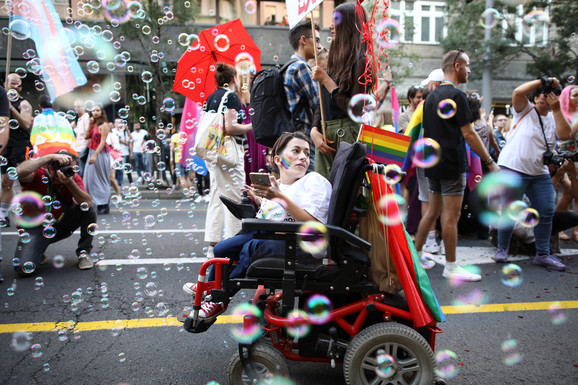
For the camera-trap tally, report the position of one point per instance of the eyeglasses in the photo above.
(460, 51)
(317, 40)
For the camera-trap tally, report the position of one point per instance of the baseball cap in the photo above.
(436, 75)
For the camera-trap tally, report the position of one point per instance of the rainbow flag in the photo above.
(51, 133)
(384, 146)
(39, 21)
(414, 132)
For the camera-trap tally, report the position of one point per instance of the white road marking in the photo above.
(149, 261)
(135, 231)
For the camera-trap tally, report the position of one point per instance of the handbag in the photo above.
(211, 142)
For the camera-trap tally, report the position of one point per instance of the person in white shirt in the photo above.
(525, 155)
(80, 129)
(295, 196)
(138, 137)
(121, 131)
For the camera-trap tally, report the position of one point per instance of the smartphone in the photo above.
(261, 178)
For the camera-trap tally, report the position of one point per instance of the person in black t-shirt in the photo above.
(4, 135)
(18, 143)
(447, 179)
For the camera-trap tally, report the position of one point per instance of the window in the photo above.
(422, 21)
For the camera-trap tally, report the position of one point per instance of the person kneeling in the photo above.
(303, 197)
(49, 175)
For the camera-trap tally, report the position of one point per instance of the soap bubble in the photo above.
(511, 275)
(388, 33)
(222, 43)
(298, 323)
(28, 209)
(385, 364)
(21, 341)
(361, 108)
(447, 365)
(313, 237)
(393, 174)
(447, 109)
(511, 355)
(427, 261)
(247, 333)
(427, 152)
(490, 18)
(319, 309)
(529, 217)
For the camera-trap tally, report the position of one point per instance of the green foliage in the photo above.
(153, 31)
(509, 37)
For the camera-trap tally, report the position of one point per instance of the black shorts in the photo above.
(14, 156)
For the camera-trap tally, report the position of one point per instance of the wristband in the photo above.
(489, 161)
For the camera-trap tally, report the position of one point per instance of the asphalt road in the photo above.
(115, 324)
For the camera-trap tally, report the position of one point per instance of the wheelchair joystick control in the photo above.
(245, 198)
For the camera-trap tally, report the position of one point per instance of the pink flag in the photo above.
(394, 106)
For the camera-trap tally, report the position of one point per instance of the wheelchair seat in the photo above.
(348, 251)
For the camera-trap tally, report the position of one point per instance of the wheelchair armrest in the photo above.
(293, 227)
(239, 210)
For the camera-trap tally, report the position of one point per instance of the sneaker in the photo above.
(549, 261)
(198, 199)
(501, 256)
(85, 263)
(139, 180)
(461, 274)
(206, 198)
(210, 253)
(442, 248)
(210, 310)
(431, 247)
(191, 288)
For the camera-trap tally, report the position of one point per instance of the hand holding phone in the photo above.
(261, 178)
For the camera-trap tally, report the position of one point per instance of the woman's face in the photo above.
(294, 159)
(574, 97)
(96, 112)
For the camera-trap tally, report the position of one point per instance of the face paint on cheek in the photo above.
(285, 162)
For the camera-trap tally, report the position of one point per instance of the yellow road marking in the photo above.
(229, 319)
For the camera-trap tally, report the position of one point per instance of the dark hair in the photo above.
(44, 101)
(425, 92)
(475, 103)
(224, 74)
(450, 59)
(285, 138)
(103, 118)
(302, 28)
(413, 90)
(347, 46)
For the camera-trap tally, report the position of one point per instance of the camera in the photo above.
(547, 87)
(68, 171)
(558, 160)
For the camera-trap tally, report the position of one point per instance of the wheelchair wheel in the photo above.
(372, 350)
(267, 360)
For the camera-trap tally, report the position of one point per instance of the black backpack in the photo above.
(271, 111)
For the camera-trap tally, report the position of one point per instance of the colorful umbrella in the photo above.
(228, 43)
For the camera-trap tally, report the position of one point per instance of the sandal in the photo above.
(565, 237)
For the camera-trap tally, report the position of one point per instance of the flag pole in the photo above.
(317, 63)
(8, 56)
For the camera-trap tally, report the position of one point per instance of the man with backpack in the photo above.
(289, 89)
(302, 92)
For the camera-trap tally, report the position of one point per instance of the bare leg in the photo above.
(428, 219)
(452, 205)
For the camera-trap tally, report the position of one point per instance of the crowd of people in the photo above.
(525, 145)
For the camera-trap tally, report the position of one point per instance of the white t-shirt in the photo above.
(525, 143)
(312, 193)
(122, 134)
(138, 139)
(80, 131)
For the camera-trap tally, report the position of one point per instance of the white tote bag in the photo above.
(211, 143)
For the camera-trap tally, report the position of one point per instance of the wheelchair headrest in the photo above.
(345, 177)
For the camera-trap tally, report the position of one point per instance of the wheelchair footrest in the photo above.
(200, 326)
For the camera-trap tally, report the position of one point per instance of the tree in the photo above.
(154, 31)
(517, 27)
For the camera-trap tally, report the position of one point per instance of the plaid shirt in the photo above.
(299, 85)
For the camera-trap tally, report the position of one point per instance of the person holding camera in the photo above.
(52, 175)
(527, 153)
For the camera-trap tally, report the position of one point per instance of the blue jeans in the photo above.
(240, 248)
(119, 174)
(540, 191)
(139, 163)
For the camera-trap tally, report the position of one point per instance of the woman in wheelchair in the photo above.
(295, 196)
